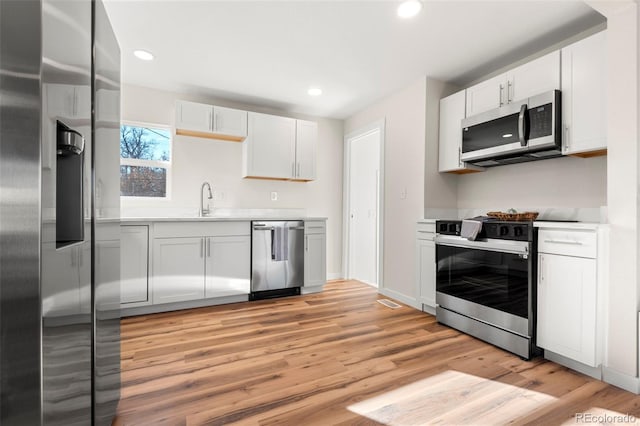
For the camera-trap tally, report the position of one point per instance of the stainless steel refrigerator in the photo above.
(59, 213)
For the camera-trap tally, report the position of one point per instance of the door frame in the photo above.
(346, 197)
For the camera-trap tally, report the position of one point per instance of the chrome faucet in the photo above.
(203, 211)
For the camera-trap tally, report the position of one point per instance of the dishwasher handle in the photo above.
(263, 228)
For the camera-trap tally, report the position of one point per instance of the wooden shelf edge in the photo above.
(464, 171)
(276, 178)
(590, 154)
(206, 135)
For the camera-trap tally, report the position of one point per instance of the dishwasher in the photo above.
(277, 258)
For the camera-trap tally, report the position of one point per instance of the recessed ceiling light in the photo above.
(143, 54)
(409, 8)
(314, 91)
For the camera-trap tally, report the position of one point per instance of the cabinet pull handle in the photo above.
(459, 156)
(509, 92)
(541, 268)
(201, 247)
(572, 243)
(208, 247)
(501, 96)
(211, 120)
(306, 243)
(567, 142)
(298, 174)
(293, 168)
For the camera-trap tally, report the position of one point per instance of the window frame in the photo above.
(167, 165)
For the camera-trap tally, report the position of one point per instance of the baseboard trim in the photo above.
(414, 303)
(595, 372)
(334, 276)
(429, 309)
(168, 307)
(311, 290)
(621, 380)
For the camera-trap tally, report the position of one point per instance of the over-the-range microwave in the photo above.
(521, 131)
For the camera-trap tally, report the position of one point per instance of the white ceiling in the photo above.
(269, 53)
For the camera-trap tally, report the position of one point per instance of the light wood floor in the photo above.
(338, 358)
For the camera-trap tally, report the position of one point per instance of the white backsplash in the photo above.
(586, 214)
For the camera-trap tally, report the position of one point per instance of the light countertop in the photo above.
(214, 219)
(569, 225)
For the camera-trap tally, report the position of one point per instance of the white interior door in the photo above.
(364, 187)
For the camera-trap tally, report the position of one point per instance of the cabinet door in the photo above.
(178, 269)
(426, 254)
(315, 259)
(230, 122)
(134, 263)
(270, 146)
(535, 77)
(228, 266)
(566, 321)
(193, 116)
(487, 95)
(306, 146)
(450, 140)
(584, 96)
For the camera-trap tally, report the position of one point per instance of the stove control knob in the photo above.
(504, 230)
(518, 231)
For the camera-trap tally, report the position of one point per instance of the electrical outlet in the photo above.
(403, 193)
(274, 196)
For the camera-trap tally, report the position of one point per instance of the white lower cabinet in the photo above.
(567, 306)
(426, 265)
(134, 264)
(227, 266)
(570, 287)
(193, 261)
(315, 253)
(178, 269)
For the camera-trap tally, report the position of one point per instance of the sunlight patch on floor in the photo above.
(452, 397)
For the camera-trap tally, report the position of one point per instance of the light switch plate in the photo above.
(274, 196)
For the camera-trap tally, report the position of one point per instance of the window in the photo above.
(145, 161)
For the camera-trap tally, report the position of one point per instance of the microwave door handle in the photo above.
(522, 125)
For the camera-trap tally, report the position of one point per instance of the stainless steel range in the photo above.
(485, 287)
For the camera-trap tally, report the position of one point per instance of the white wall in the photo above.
(196, 160)
(559, 182)
(623, 20)
(404, 115)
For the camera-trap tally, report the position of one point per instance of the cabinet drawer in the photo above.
(315, 227)
(427, 227)
(200, 229)
(569, 242)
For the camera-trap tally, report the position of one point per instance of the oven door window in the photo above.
(494, 279)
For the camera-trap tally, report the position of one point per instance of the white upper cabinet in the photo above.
(450, 138)
(584, 96)
(535, 77)
(193, 116)
(270, 146)
(195, 119)
(530, 79)
(306, 145)
(486, 95)
(280, 148)
(229, 121)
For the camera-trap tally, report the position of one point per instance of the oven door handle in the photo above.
(503, 246)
